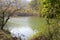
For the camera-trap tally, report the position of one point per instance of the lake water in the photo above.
(24, 27)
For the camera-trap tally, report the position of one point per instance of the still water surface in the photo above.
(23, 27)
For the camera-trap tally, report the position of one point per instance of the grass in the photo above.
(4, 35)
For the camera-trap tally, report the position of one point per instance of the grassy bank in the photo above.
(45, 31)
(5, 35)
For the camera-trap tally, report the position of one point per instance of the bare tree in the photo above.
(3, 13)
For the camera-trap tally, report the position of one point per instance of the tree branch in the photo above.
(10, 15)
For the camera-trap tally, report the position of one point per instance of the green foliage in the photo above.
(50, 7)
(51, 10)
